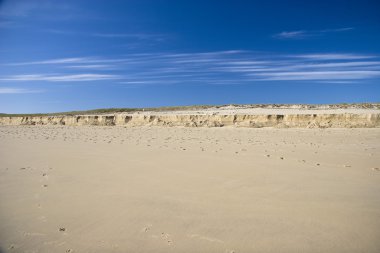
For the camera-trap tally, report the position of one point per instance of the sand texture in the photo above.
(174, 189)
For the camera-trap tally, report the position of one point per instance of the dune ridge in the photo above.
(335, 120)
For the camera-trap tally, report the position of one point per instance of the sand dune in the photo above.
(159, 189)
(240, 116)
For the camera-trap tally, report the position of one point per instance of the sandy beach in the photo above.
(175, 189)
(189, 126)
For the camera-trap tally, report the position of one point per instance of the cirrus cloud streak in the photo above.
(233, 66)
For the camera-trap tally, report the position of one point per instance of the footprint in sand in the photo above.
(147, 228)
(376, 169)
(209, 239)
(166, 237)
(12, 246)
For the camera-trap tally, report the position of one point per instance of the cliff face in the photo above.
(281, 121)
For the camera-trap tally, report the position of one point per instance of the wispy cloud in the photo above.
(291, 35)
(332, 56)
(318, 75)
(138, 36)
(61, 78)
(52, 61)
(112, 35)
(221, 67)
(17, 91)
(344, 29)
(92, 66)
(338, 82)
(43, 9)
(341, 64)
(303, 34)
(73, 60)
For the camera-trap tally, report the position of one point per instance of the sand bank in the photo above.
(236, 117)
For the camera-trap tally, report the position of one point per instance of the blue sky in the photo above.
(76, 55)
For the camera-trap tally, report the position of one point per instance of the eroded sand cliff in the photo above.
(344, 120)
(255, 116)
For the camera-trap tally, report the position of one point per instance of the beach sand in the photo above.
(157, 189)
